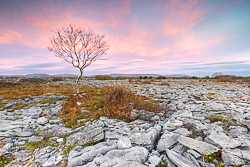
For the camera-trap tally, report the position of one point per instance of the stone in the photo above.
(247, 123)
(236, 131)
(22, 80)
(191, 159)
(201, 147)
(232, 157)
(179, 160)
(35, 138)
(42, 120)
(222, 140)
(154, 161)
(182, 131)
(83, 156)
(124, 143)
(167, 140)
(146, 138)
(172, 124)
(50, 162)
(182, 113)
(129, 164)
(89, 135)
(54, 130)
(60, 140)
(114, 157)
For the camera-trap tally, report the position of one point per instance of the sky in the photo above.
(189, 37)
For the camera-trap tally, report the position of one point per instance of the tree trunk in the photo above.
(77, 82)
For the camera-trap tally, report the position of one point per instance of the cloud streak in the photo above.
(157, 36)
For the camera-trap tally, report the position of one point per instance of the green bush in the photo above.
(163, 163)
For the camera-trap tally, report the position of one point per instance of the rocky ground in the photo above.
(206, 125)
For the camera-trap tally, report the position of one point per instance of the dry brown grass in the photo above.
(146, 82)
(120, 103)
(103, 77)
(232, 79)
(22, 90)
(57, 78)
(161, 77)
(164, 83)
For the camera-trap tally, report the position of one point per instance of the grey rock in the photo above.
(114, 157)
(83, 156)
(35, 138)
(124, 143)
(154, 161)
(199, 146)
(146, 138)
(129, 164)
(172, 124)
(191, 159)
(50, 162)
(232, 157)
(22, 80)
(182, 131)
(236, 131)
(95, 134)
(222, 140)
(182, 113)
(179, 160)
(42, 120)
(167, 140)
(54, 130)
(247, 123)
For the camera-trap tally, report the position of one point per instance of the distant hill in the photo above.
(65, 75)
(40, 75)
(176, 75)
(37, 75)
(73, 75)
(133, 75)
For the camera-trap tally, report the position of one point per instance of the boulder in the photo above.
(79, 156)
(222, 140)
(167, 140)
(115, 157)
(178, 159)
(124, 143)
(85, 136)
(146, 138)
(201, 147)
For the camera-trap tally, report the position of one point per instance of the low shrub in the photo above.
(209, 158)
(57, 79)
(161, 77)
(103, 77)
(120, 103)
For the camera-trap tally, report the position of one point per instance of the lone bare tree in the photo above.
(78, 47)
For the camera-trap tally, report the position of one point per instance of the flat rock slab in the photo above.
(79, 156)
(222, 140)
(166, 141)
(94, 135)
(115, 157)
(201, 147)
(179, 160)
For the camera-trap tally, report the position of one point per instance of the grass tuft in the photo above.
(217, 118)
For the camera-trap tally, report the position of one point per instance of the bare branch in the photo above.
(77, 46)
